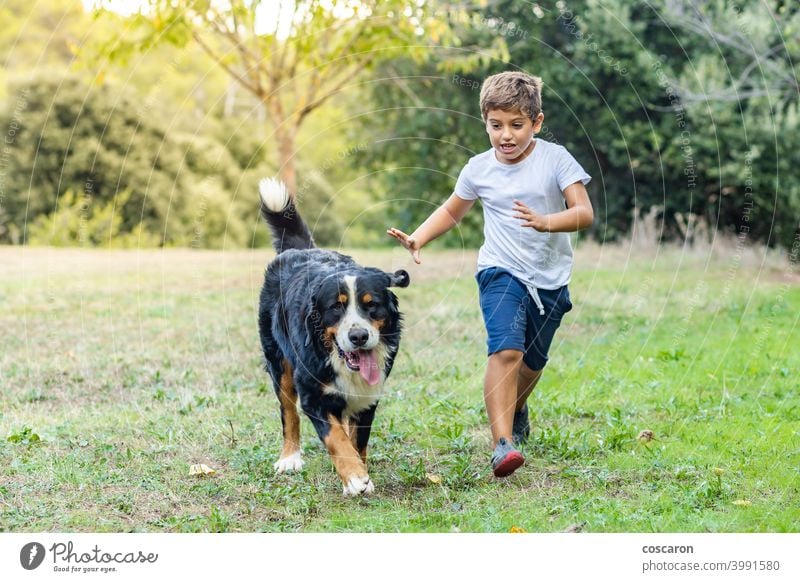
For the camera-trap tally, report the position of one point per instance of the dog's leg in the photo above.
(349, 426)
(351, 469)
(361, 425)
(291, 459)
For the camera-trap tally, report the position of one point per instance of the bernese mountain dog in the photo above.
(330, 331)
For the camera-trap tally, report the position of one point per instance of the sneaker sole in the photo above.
(510, 463)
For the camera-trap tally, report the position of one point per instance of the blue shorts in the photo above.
(512, 319)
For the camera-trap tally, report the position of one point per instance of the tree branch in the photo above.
(702, 26)
(256, 90)
(357, 69)
(250, 60)
(400, 81)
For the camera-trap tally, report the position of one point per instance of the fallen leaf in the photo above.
(743, 502)
(575, 527)
(646, 436)
(516, 529)
(435, 479)
(201, 469)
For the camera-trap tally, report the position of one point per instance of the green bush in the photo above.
(79, 221)
(71, 137)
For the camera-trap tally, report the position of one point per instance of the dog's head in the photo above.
(357, 317)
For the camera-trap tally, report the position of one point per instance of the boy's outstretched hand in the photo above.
(407, 241)
(530, 218)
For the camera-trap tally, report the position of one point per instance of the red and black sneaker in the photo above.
(506, 459)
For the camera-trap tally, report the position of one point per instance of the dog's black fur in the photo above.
(330, 331)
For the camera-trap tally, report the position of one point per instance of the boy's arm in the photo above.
(578, 215)
(439, 222)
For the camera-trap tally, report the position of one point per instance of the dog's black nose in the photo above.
(358, 336)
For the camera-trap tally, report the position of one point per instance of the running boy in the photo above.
(533, 195)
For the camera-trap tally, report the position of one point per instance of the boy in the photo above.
(525, 262)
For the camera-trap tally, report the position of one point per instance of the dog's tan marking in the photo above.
(366, 298)
(342, 298)
(329, 339)
(346, 460)
(352, 427)
(378, 323)
(291, 420)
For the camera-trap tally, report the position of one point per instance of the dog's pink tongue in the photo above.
(368, 366)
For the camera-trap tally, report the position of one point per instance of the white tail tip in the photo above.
(274, 194)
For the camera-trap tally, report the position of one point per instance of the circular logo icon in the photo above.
(31, 556)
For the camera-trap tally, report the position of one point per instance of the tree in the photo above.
(39, 33)
(312, 49)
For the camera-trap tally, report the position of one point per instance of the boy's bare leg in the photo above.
(526, 382)
(500, 392)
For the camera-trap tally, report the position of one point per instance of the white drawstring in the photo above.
(536, 299)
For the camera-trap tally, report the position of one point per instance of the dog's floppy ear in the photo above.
(399, 278)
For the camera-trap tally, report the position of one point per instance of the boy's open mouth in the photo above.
(507, 148)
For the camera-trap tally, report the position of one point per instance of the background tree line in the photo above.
(153, 129)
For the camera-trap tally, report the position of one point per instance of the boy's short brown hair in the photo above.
(512, 90)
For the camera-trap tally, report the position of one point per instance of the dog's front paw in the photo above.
(358, 486)
(293, 462)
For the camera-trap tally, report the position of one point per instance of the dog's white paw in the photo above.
(293, 462)
(358, 486)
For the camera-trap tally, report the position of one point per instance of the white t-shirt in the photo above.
(541, 260)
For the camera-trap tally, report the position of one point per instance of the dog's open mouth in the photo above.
(364, 362)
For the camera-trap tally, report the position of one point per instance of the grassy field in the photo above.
(119, 370)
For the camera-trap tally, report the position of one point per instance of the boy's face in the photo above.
(511, 133)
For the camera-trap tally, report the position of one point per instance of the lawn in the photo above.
(121, 369)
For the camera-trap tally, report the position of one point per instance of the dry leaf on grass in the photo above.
(435, 479)
(646, 436)
(201, 470)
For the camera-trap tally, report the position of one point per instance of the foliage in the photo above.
(661, 121)
(131, 175)
(682, 111)
(79, 222)
(40, 34)
(25, 436)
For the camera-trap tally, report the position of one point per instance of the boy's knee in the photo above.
(507, 357)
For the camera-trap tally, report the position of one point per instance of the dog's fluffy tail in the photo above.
(278, 209)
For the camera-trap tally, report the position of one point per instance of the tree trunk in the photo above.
(286, 135)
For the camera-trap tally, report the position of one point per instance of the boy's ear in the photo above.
(537, 122)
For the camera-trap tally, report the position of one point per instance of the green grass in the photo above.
(121, 369)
